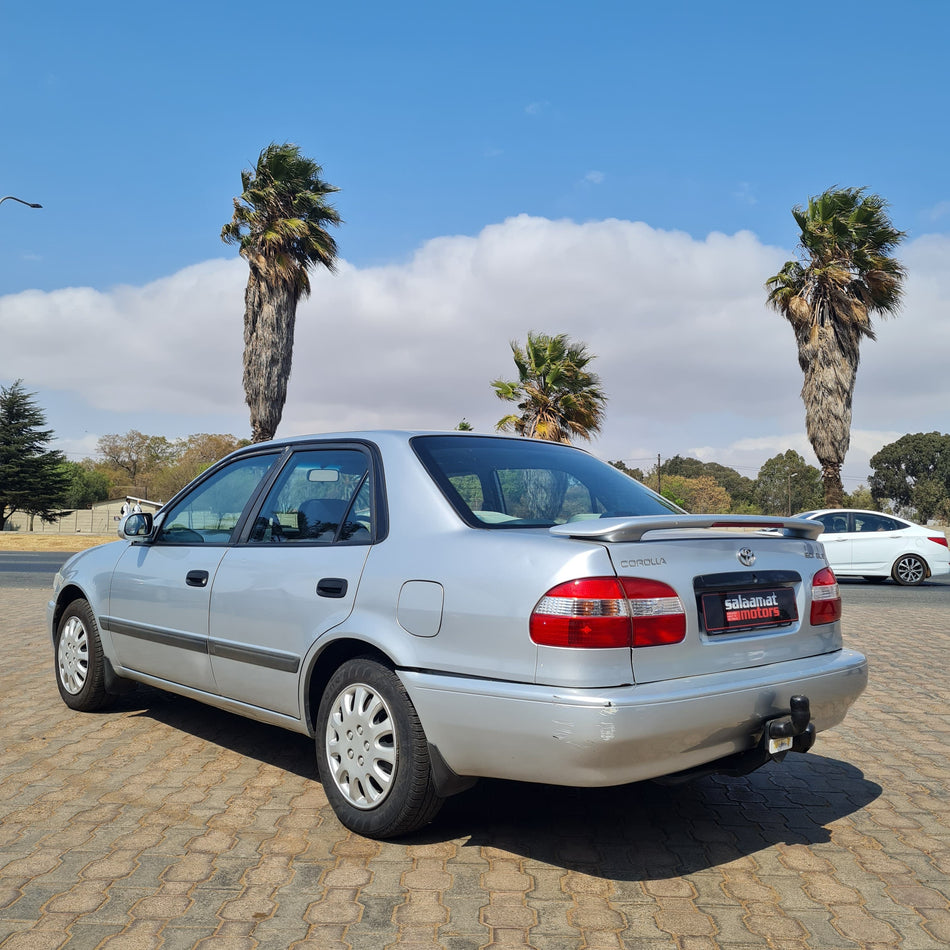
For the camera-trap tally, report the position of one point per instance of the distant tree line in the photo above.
(910, 477)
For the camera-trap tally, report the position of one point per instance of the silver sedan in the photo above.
(435, 607)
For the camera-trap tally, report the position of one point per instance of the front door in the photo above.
(161, 590)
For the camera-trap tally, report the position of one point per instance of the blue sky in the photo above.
(459, 134)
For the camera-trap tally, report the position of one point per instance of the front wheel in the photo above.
(372, 754)
(80, 667)
(909, 570)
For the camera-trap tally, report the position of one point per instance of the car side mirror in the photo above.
(136, 526)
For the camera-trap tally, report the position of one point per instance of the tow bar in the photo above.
(792, 733)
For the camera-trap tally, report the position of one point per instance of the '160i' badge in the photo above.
(746, 556)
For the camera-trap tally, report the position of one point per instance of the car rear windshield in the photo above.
(516, 483)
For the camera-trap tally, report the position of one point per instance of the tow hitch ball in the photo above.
(792, 733)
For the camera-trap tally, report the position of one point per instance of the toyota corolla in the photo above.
(436, 607)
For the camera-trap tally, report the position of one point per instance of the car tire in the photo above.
(909, 570)
(372, 754)
(80, 666)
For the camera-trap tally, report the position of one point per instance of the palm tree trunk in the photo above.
(269, 315)
(828, 353)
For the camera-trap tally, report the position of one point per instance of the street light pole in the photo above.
(29, 204)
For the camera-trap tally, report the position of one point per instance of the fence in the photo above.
(103, 519)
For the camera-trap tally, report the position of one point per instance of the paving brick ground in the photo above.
(165, 824)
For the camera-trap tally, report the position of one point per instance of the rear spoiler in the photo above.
(634, 528)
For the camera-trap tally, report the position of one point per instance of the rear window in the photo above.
(517, 483)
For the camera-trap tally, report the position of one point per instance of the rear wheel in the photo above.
(372, 754)
(909, 570)
(80, 667)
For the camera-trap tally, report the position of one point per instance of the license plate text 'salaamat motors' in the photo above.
(726, 611)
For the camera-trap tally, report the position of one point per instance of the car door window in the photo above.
(210, 513)
(322, 496)
(834, 523)
(865, 523)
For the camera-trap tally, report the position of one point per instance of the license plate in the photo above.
(726, 611)
(780, 745)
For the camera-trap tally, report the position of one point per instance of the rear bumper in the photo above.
(626, 734)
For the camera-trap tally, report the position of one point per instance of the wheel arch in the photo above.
(69, 594)
(326, 662)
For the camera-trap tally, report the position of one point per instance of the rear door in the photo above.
(875, 542)
(294, 575)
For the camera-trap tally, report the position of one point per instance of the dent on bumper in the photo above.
(626, 734)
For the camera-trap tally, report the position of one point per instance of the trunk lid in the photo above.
(746, 594)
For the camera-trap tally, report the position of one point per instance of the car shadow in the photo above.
(271, 745)
(648, 831)
(643, 831)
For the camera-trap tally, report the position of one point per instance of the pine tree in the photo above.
(33, 479)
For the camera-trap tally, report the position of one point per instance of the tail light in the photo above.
(608, 612)
(825, 598)
(939, 539)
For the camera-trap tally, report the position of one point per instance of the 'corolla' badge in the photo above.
(746, 556)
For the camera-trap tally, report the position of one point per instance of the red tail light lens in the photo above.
(940, 539)
(608, 612)
(825, 598)
(657, 612)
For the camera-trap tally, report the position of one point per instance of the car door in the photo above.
(837, 540)
(876, 543)
(293, 576)
(160, 591)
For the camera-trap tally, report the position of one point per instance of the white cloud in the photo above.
(691, 359)
(595, 177)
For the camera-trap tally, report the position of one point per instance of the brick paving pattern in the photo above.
(166, 824)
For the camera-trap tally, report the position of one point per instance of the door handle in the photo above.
(331, 587)
(196, 578)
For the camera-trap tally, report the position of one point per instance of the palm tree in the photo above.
(279, 224)
(845, 275)
(558, 398)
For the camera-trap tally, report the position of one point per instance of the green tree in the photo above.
(741, 490)
(927, 498)
(558, 397)
(33, 478)
(846, 274)
(632, 472)
(786, 484)
(280, 226)
(193, 456)
(862, 498)
(87, 485)
(132, 460)
(913, 472)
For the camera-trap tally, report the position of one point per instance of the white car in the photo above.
(876, 546)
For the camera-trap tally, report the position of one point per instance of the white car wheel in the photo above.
(909, 570)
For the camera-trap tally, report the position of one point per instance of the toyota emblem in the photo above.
(746, 556)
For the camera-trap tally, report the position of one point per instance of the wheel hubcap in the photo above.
(910, 570)
(361, 746)
(72, 656)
